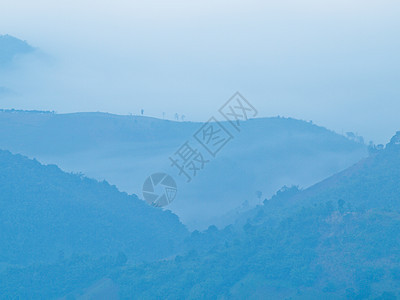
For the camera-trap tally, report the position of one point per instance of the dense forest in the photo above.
(340, 241)
(46, 213)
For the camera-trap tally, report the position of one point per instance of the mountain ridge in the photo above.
(124, 150)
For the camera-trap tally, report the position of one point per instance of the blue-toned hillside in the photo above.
(336, 240)
(45, 213)
(11, 47)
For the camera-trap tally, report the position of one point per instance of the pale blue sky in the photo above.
(334, 62)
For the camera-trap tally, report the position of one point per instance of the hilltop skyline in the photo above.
(335, 64)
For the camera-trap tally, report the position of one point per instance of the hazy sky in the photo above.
(334, 62)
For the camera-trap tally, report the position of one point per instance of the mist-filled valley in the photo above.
(124, 150)
(123, 177)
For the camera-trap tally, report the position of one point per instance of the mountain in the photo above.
(336, 240)
(371, 183)
(267, 154)
(334, 244)
(11, 47)
(45, 213)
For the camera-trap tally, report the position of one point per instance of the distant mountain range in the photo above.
(267, 154)
(11, 49)
(125, 150)
(46, 214)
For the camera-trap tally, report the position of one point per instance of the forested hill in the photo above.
(45, 213)
(340, 241)
(374, 182)
(330, 247)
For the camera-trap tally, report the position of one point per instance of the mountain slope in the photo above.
(11, 47)
(45, 212)
(124, 150)
(371, 183)
(323, 248)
